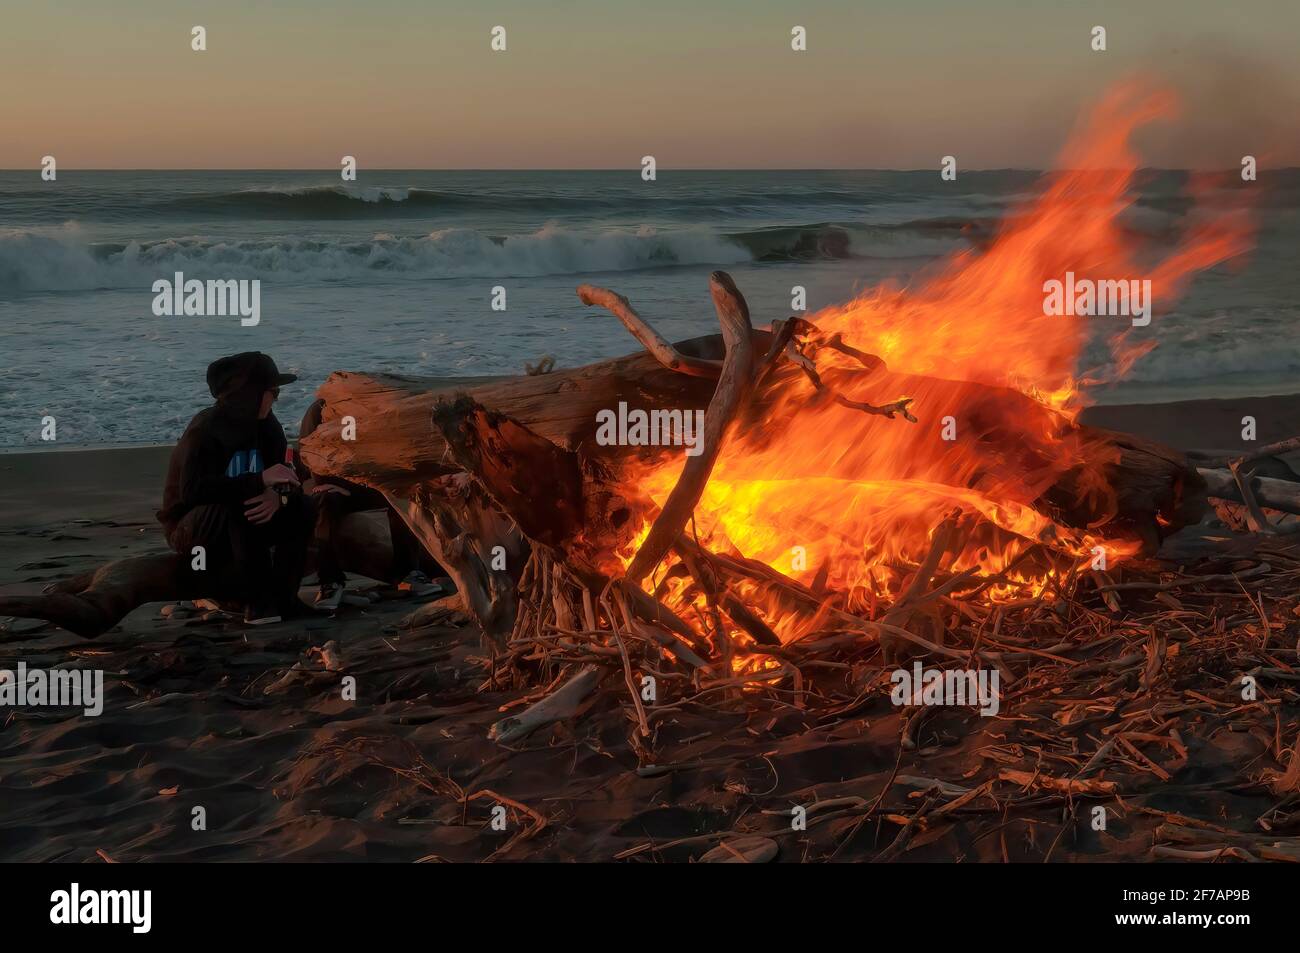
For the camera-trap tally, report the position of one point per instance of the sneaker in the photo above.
(417, 584)
(329, 596)
(255, 614)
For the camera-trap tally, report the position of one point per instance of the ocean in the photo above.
(396, 273)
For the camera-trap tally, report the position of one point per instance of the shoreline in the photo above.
(1273, 413)
(83, 448)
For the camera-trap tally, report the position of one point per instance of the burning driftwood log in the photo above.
(1147, 486)
(567, 562)
(532, 442)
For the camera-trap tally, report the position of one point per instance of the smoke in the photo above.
(1233, 105)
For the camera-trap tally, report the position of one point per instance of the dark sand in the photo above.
(301, 774)
(1204, 424)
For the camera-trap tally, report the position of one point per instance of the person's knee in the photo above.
(205, 525)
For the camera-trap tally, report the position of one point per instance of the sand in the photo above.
(1204, 424)
(305, 774)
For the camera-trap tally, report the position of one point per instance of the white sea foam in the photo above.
(62, 259)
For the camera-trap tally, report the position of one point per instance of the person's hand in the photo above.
(279, 473)
(262, 507)
(313, 488)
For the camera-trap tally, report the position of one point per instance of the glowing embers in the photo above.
(866, 548)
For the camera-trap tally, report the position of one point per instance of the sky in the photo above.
(406, 84)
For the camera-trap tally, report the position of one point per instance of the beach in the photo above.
(301, 773)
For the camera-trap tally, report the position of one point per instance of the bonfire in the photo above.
(900, 475)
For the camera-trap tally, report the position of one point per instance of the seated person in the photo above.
(224, 490)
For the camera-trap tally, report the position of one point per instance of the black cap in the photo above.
(249, 370)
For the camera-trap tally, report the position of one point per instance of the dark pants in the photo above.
(332, 507)
(266, 561)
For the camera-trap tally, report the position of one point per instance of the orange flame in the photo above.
(857, 496)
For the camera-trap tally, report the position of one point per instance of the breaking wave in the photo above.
(64, 259)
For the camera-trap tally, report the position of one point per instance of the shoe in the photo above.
(255, 614)
(417, 584)
(329, 596)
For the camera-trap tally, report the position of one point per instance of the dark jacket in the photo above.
(197, 472)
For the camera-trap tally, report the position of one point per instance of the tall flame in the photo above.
(847, 494)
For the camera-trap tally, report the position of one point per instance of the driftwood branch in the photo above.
(462, 534)
(1290, 445)
(1274, 494)
(810, 371)
(560, 704)
(654, 342)
(733, 387)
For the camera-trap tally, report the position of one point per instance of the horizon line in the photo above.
(635, 170)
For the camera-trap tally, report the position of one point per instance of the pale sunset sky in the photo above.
(403, 84)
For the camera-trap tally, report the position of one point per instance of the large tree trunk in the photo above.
(530, 444)
(397, 449)
(535, 449)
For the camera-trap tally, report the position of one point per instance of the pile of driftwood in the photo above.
(1109, 691)
(504, 481)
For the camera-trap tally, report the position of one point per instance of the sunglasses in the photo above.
(275, 392)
